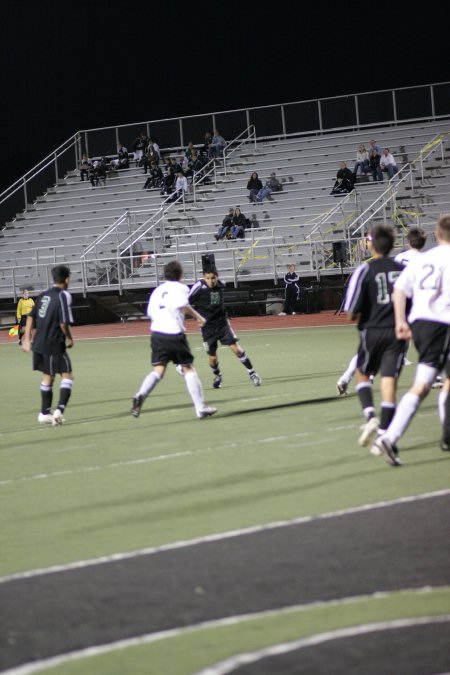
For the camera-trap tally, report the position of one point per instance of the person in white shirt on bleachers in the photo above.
(388, 163)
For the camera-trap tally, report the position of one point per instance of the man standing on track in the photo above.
(207, 296)
(369, 299)
(167, 307)
(427, 281)
(24, 307)
(50, 321)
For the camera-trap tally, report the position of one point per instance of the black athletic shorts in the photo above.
(167, 347)
(52, 364)
(225, 334)
(432, 341)
(380, 351)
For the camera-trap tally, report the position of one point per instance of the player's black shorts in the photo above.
(432, 341)
(380, 351)
(225, 334)
(166, 348)
(52, 364)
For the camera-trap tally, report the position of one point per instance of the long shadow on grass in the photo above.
(280, 406)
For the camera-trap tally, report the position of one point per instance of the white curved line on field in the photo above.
(98, 650)
(234, 662)
(114, 557)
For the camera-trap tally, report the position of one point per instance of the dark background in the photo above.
(76, 65)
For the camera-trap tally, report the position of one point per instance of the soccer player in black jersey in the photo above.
(369, 300)
(49, 322)
(207, 297)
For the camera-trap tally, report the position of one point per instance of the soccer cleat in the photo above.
(45, 418)
(255, 378)
(341, 387)
(207, 411)
(179, 370)
(281, 313)
(438, 383)
(375, 450)
(369, 429)
(217, 382)
(388, 449)
(407, 362)
(445, 445)
(58, 417)
(137, 405)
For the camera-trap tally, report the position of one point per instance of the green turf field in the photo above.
(105, 482)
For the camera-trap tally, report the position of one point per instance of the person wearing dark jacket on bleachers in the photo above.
(155, 178)
(139, 146)
(344, 180)
(254, 185)
(239, 224)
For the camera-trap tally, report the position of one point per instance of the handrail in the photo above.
(251, 135)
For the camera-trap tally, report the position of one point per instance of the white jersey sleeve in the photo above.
(426, 280)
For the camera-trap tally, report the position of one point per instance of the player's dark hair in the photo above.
(383, 237)
(444, 226)
(173, 271)
(416, 237)
(60, 273)
(210, 269)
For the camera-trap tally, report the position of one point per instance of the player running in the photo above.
(207, 297)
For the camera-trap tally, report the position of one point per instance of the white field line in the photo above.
(174, 455)
(234, 662)
(36, 666)
(254, 529)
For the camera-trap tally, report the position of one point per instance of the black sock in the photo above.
(46, 398)
(364, 391)
(243, 358)
(387, 413)
(64, 393)
(216, 369)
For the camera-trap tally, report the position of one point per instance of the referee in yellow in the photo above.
(24, 307)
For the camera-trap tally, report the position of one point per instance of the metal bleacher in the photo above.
(300, 223)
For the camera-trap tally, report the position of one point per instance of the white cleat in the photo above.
(179, 370)
(207, 411)
(342, 387)
(255, 378)
(369, 429)
(57, 417)
(45, 419)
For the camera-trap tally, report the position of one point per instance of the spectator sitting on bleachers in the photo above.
(123, 160)
(155, 178)
(139, 146)
(181, 186)
(254, 185)
(189, 150)
(98, 172)
(206, 143)
(85, 166)
(239, 224)
(374, 163)
(375, 146)
(224, 231)
(217, 145)
(150, 155)
(344, 180)
(362, 161)
(388, 164)
(272, 185)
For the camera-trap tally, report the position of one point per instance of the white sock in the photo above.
(195, 389)
(347, 376)
(406, 410)
(441, 405)
(149, 384)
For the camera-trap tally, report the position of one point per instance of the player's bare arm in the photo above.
(402, 329)
(192, 312)
(68, 335)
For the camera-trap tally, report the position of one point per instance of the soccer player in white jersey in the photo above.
(416, 239)
(427, 281)
(167, 307)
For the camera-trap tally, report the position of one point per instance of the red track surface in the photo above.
(134, 328)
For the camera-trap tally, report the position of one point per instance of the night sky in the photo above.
(70, 65)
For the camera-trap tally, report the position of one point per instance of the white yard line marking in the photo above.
(36, 666)
(254, 529)
(234, 662)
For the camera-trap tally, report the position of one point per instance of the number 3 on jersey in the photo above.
(384, 285)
